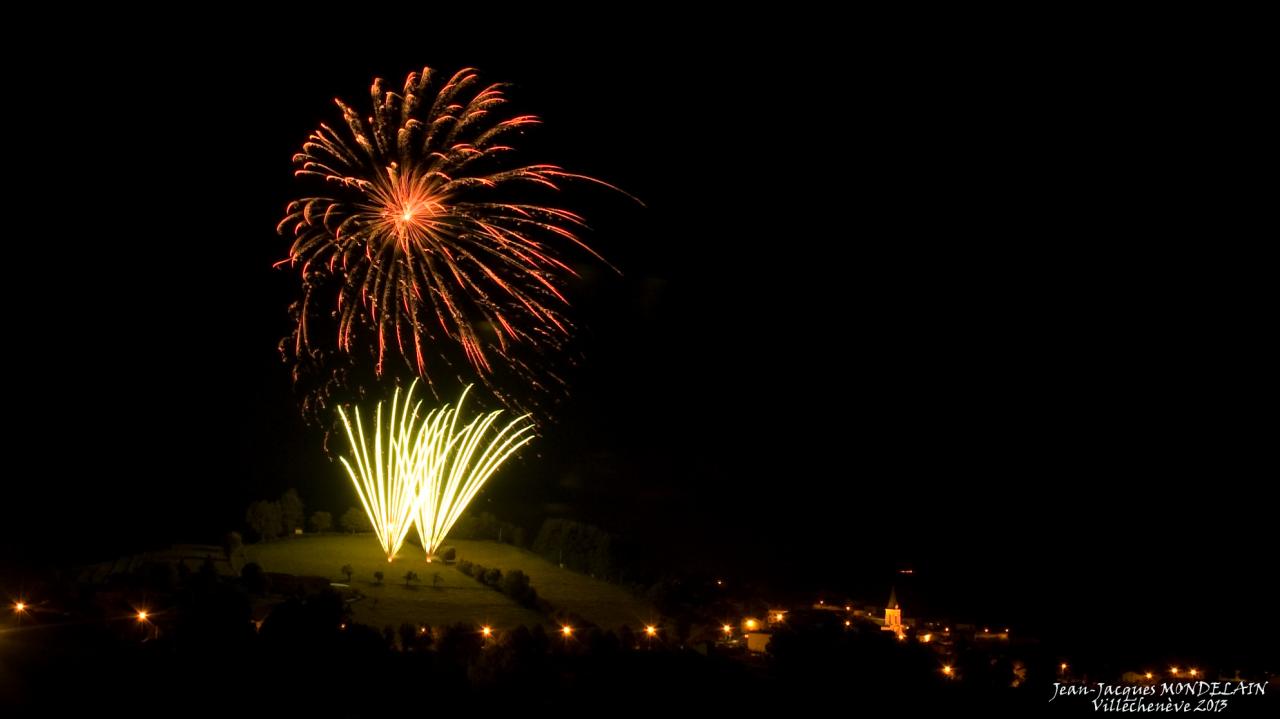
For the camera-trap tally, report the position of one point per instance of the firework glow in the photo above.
(424, 230)
(425, 470)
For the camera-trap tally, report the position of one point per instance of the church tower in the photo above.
(893, 615)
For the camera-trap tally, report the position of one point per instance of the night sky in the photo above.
(961, 302)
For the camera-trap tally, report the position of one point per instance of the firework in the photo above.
(423, 237)
(425, 470)
(458, 470)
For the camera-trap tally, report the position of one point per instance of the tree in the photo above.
(321, 522)
(255, 580)
(492, 577)
(378, 576)
(408, 636)
(353, 520)
(291, 511)
(347, 570)
(410, 576)
(265, 519)
(436, 579)
(232, 542)
(450, 554)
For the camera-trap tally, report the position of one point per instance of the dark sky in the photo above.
(968, 300)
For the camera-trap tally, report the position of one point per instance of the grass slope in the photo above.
(458, 598)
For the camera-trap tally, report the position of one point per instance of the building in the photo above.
(893, 616)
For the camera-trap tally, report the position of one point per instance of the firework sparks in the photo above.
(423, 233)
(425, 471)
(448, 483)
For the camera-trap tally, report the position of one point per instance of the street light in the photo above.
(1195, 672)
(142, 615)
(946, 669)
(20, 607)
(728, 630)
(566, 630)
(486, 630)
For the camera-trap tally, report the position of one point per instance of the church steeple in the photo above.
(893, 615)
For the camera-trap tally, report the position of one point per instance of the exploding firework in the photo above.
(423, 238)
(425, 470)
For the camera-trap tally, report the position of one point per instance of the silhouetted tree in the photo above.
(265, 519)
(321, 521)
(291, 511)
(492, 577)
(347, 570)
(449, 554)
(436, 579)
(410, 576)
(354, 520)
(255, 580)
(378, 576)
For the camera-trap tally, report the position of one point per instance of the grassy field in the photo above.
(457, 598)
(608, 605)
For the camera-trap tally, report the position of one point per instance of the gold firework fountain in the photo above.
(425, 470)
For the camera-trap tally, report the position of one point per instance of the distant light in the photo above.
(566, 630)
(651, 630)
(486, 630)
(927, 638)
(1006, 630)
(1063, 666)
(20, 607)
(848, 623)
(1173, 670)
(719, 583)
(1148, 675)
(821, 602)
(1195, 672)
(752, 624)
(847, 607)
(142, 616)
(986, 631)
(342, 625)
(422, 630)
(777, 617)
(946, 669)
(727, 629)
(946, 629)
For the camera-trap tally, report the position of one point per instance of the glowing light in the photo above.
(946, 669)
(847, 607)
(820, 602)
(1063, 666)
(651, 630)
(20, 607)
(848, 623)
(1148, 675)
(424, 471)
(728, 630)
(927, 638)
(752, 624)
(414, 240)
(342, 625)
(777, 617)
(719, 583)
(1173, 670)
(142, 616)
(1194, 672)
(486, 630)
(566, 631)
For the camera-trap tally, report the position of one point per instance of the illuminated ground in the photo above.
(458, 598)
